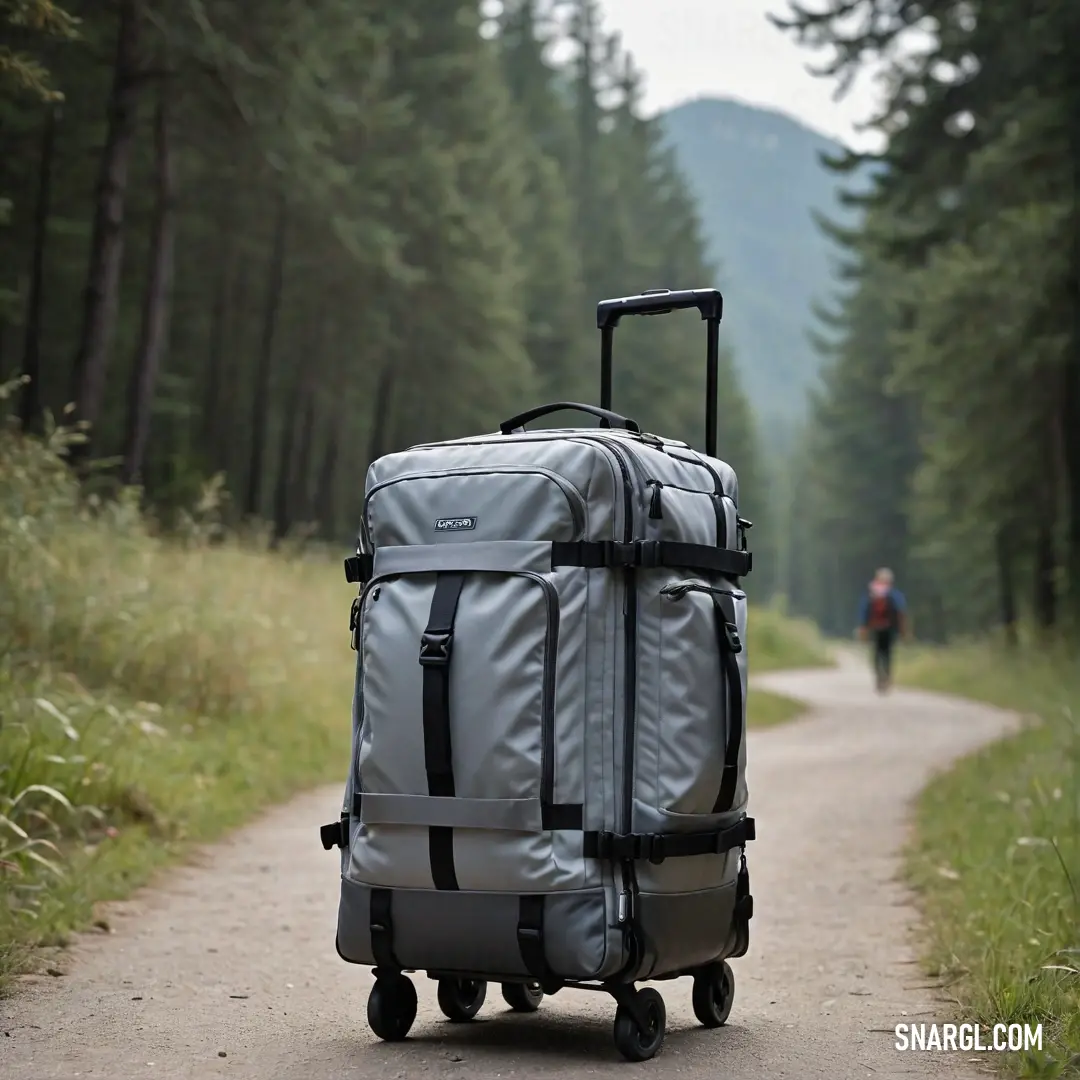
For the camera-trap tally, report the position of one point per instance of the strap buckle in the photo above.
(354, 624)
(529, 933)
(435, 648)
(610, 845)
(731, 637)
(653, 847)
(359, 568)
(643, 553)
(336, 834)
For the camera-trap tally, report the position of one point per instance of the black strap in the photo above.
(553, 816)
(436, 648)
(610, 554)
(359, 568)
(744, 901)
(441, 856)
(656, 847)
(727, 635)
(530, 935)
(381, 924)
(568, 816)
(336, 834)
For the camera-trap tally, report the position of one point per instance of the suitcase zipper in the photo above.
(626, 903)
(718, 495)
(574, 498)
(676, 590)
(547, 716)
(630, 592)
(656, 507)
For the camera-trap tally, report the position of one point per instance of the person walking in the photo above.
(882, 619)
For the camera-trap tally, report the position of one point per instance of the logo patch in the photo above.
(458, 524)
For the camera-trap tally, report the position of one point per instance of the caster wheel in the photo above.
(460, 999)
(631, 1041)
(391, 1008)
(522, 997)
(714, 992)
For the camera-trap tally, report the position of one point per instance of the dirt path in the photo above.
(235, 956)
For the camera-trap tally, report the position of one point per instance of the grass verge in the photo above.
(767, 709)
(996, 858)
(778, 641)
(152, 695)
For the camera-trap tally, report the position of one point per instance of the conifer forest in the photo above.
(268, 243)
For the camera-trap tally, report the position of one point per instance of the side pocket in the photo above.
(703, 699)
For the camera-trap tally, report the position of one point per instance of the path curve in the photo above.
(234, 955)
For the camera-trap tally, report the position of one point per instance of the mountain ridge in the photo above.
(758, 179)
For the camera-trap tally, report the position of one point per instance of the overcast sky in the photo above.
(727, 48)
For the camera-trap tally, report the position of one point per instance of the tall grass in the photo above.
(151, 692)
(997, 859)
(778, 641)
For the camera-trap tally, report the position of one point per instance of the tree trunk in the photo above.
(225, 441)
(380, 420)
(1045, 577)
(30, 405)
(101, 294)
(261, 396)
(325, 504)
(157, 298)
(294, 460)
(283, 482)
(215, 345)
(1070, 14)
(300, 496)
(1071, 428)
(1007, 588)
(941, 629)
(216, 342)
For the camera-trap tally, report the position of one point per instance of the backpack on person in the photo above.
(882, 612)
(547, 781)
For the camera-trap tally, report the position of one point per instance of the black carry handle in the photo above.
(709, 302)
(607, 417)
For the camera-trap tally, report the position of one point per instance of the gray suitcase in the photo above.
(547, 785)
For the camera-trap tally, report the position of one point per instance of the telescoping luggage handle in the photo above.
(659, 302)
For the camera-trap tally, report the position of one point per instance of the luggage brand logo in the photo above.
(455, 524)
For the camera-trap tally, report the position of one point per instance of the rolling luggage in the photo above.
(547, 783)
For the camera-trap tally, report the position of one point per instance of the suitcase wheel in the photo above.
(460, 999)
(522, 997)
(714, 992)
(391, 1007)
(634, 1042)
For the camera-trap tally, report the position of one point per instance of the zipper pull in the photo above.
(656, 509)
(731, 636)
(677, 589)
(354, 624)
(744, 527)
